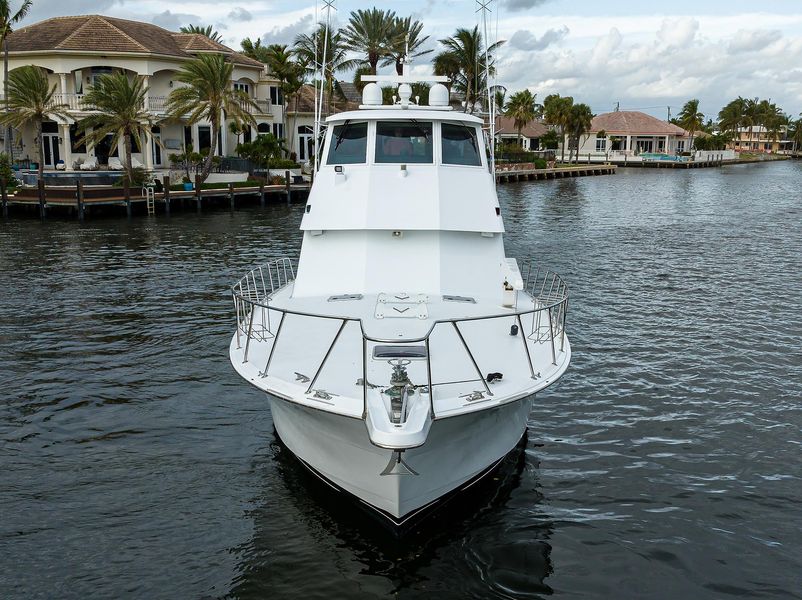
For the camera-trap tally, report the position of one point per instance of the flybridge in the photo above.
(372, 94)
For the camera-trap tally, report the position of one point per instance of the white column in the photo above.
(148, 151)
(146, 87)
(223, 134)
(67, 143)
(629, 143)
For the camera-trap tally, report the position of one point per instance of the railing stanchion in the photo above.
(250, 331)
(562, 333)
(328, 353)
(473, 360)
(364, 377)
(429, 378)
(551, 336)
(275, 343)
(526, 346)
(236, 309)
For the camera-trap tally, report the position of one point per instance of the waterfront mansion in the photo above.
(75, 51)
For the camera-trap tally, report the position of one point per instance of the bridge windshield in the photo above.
(404, 142)
(349, 144)
(460, 145)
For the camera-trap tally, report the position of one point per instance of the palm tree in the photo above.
(463, 61)
(795, 134)
(731, 117)
(207, 31)
(290, 73)
(751, 117)
(208, 94)
(30, 100)
(557, 113)
(405, 43)
(579, 120)
(371, 32)
(120, 103)
(691, 119)
(8, 18)
(308, 49)
(500, 98)
(254, 50)
(522, 109)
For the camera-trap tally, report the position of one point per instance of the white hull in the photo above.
(457, 449)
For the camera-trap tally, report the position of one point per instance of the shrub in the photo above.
(6, 172)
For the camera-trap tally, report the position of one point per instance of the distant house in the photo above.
(300, 116)
(630, 132)
(530, 134)
(759, 139)
(75, 51)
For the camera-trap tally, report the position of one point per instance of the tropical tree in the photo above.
(371, 33)
(291, 74)
(463, 61)
(9, 18)
(579, 120)
(691, 119)
(731, 117)
(500, 98)
(207, 31)
(795, 133)
(522, 109)
(751, 117)
(308, 49)
(557, 113)
(208, 94)
(405, 43)
(121, 114)
(254, 50)
(30, 100)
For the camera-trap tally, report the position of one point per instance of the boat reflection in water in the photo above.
(303, 525)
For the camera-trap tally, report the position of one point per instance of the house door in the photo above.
(51, 150)
(157, 149)
(306, 138)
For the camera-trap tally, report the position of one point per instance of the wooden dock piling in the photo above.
(4, 196)
(166, 185)
(79, 199)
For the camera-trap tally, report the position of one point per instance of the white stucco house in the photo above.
(74, 51)
(630, 133)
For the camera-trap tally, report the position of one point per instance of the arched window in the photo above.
(263, 128)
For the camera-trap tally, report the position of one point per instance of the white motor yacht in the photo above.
(402, 351)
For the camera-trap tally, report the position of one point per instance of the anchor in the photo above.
(397, 466)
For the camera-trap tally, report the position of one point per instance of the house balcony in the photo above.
(155, 104)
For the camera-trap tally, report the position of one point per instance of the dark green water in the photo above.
(666, 463)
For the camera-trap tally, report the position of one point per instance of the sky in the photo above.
(636, 54)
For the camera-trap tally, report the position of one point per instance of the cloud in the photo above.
(749, 41)
(514, 5)
(525, 40)
(240, 14)
(677, 33)
(288, 33)
(173, 21)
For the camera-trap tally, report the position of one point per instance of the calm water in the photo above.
(666, 464)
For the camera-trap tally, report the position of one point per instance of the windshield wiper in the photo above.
(341, 137)
(420, 128)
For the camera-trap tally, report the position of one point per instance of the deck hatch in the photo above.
(468, 299)
(392, 352)
(345, 297)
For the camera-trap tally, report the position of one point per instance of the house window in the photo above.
(276, 95)
(76, 135)
(99, 72)
(204, 138)
(278, 130)
(263, 128)
(680, 145)
(243, 87)
(187, 136)
(601, 144)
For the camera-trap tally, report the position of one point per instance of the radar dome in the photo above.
(372, 95)
(438, 95)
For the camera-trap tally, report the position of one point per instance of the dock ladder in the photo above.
(150, 197)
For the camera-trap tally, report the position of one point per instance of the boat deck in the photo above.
(318, 351)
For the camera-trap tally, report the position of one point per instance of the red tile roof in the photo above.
(506, 126)
(632, 122)
(98, 33)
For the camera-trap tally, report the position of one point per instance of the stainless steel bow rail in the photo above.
(253, 294)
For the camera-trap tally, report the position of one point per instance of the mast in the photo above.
(322, 64)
